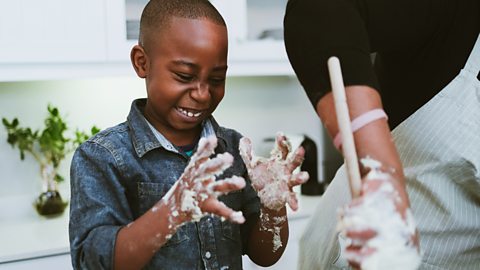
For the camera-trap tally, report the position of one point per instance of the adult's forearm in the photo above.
(374, 139)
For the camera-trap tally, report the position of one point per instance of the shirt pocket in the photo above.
(148, 195)
(230, 231)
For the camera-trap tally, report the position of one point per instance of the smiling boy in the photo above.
(143, 191)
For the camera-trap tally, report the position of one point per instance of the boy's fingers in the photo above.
(298, 179)
(296, 159)
(246, 151)
(216, 165)
(293, 201)
(228, 185)
(220, 209)
(282, 144)
(206, 147)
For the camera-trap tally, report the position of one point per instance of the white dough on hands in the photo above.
(273, 177)
(196, 192)
(379, 236)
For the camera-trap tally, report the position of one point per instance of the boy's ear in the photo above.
(139, 59)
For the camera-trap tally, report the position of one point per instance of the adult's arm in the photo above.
(351, 30)
(318, 29)
(373, 140)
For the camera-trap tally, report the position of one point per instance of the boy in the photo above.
(137, 186)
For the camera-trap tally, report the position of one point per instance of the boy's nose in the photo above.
(201, 92)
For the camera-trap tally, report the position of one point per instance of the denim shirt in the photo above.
(120, 173)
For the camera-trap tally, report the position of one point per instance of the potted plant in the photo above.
(48, 147)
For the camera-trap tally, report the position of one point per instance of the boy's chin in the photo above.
(185, 126)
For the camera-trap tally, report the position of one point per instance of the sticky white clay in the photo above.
(237, 217)
(273, 193)
(190, 205)
(274, 226)
(277, 241)
(377, 212)
(197, 184)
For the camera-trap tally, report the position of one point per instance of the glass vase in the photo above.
(49, 203)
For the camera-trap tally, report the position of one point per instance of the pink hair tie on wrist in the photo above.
(360, 122)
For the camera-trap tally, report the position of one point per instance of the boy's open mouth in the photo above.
(189, 112)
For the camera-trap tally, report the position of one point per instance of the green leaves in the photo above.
(52, 141)
(48, 146)
(23, 138)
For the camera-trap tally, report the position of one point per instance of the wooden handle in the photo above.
(344, 126)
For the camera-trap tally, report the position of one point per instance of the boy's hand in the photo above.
(379, 226)
(196, 193)
(273, 178)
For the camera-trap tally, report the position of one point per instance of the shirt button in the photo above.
(208, 255)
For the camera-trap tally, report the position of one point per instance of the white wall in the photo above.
(258, 107)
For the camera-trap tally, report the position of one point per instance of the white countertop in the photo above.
(25, 235)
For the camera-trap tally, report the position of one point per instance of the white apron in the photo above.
(439, 146)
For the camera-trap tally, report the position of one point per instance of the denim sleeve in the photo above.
(98, 207)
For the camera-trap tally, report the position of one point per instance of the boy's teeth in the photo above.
(189, 114)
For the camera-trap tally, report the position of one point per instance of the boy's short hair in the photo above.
(157, 14)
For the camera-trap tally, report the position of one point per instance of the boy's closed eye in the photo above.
(188, 78)
(217, 80)
(184, 77)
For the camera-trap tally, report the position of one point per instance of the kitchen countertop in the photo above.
(26, 235)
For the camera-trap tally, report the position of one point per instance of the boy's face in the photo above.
(185, 72)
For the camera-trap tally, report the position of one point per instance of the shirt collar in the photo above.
(207, 130)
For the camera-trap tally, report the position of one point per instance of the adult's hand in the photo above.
(379, 226)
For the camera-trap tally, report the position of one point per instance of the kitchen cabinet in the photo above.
(53, 39)
(52, 31)
(255, 36)
(66, 39)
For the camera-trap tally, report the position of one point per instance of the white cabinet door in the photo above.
(52, 31)
(118, 46)
(255, 36)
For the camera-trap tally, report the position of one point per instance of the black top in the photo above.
(420, 46)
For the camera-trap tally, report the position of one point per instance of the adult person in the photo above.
(426, 77)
